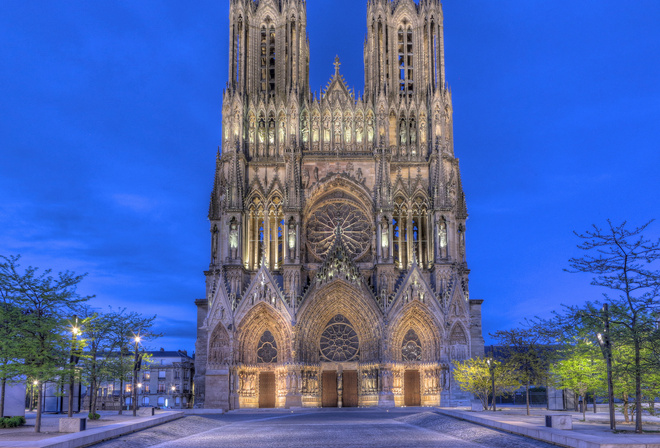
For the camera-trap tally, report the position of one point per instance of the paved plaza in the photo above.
(322, 428)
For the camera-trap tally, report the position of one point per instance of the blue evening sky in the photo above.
(111, 116)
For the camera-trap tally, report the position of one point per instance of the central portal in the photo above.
(411, 388)
(329, 398)
(350, 389)
(267, 390)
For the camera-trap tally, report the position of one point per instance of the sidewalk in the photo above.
(594, 433)
(109, 426)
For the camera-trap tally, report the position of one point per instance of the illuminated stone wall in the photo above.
(338, 222)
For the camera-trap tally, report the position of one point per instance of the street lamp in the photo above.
(136, 368)
(75, 331)
(491, 367)
(606, 347)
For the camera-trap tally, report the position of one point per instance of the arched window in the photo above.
(271, 58)
(264, 59)
(267, 349)
(339, 341)
(411, 347)
(406, 58)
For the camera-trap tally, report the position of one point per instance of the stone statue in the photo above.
(305, 179)
(442, 235)
(384, 238)
(292, 239)
(316, 173)
(214, 245)
(233, 240)
(358, 175)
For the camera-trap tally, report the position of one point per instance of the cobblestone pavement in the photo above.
(322, 428)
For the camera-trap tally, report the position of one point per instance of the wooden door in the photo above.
(329, 397)
(412, 396)
(350, 389)
(267, 390)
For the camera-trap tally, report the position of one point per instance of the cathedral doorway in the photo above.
(350, 389)
(329, 397)
(411, 388)
(267, 390)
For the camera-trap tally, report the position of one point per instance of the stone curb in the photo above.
(96, 435)
(568, 439)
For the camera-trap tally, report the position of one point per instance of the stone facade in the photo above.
(165, 381)
(338, 222)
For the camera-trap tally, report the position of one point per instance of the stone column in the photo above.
(297, 241)
(385, 396)
(285, 241)
(340, 388)
(379, 245)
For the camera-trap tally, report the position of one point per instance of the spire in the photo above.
(337, 64)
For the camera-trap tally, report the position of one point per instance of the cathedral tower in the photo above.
(338, 271)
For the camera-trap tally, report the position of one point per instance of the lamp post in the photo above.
(173, 388)
(136, 367)
(606, 347)
(491, 367)
(72, 363)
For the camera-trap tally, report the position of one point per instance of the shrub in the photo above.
(94, 416)
(12, 422)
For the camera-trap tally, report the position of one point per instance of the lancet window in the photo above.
(406, 57)
(264, 59)
(265, 230)
(412, 232)
(271, 59)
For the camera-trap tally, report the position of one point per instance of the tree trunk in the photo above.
(37, 423)
(121, 394)
(2, 398)
(595, 406)
(93, 392)
(638, 389)
(527, 394)
(584, 407)
(626, 417)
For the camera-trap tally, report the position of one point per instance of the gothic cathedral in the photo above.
(338, 222)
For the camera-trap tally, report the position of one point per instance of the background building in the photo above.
(164, 381)
(338, 274)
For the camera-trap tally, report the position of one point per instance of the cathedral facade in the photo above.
(337, 274)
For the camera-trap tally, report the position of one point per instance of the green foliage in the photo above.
(527, 353)
(582, 370)
(12, 422)
(474, 376)
(624, 264)
(94, 416)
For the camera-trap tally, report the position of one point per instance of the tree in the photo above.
(527, 352)
(99, 336)
(46, 304)
(581, 371)
(128, 326)
(622, 261)
(474, 376)
(10, 355)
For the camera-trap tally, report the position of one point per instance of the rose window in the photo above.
(339, 342)
(353, 223)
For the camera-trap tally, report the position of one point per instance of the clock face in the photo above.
(354, 224)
